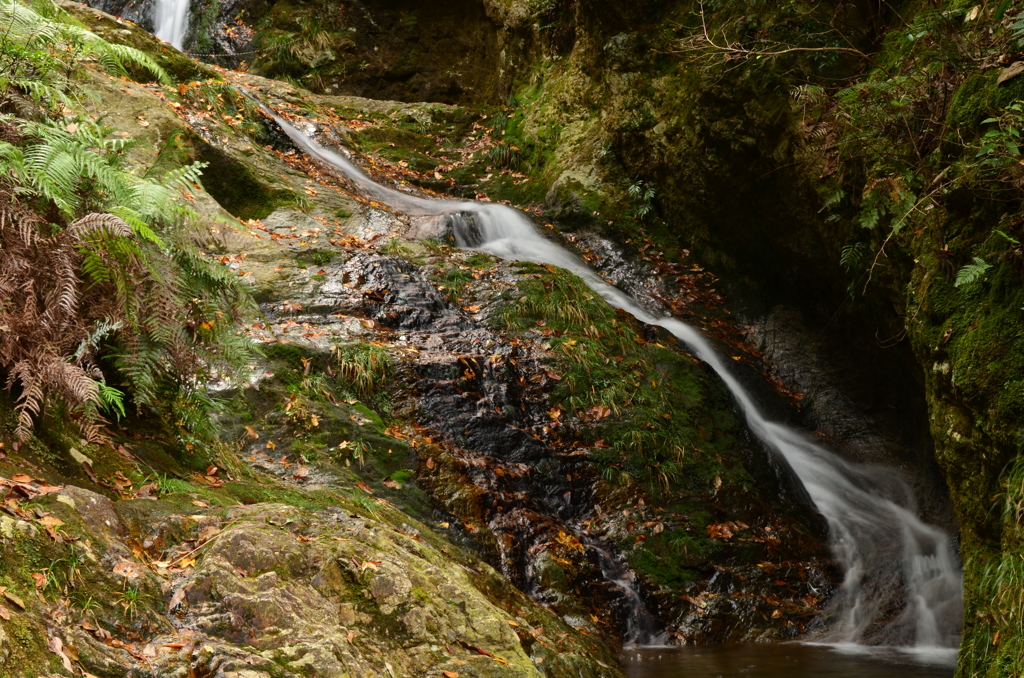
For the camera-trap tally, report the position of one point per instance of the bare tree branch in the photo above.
(731, 48)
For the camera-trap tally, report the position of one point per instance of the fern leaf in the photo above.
(107, 224)
(972, 272)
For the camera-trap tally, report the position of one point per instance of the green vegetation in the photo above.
(878, 143)
(668, 558)
(630, 390)
(43, 49)
(453, 282)
(365, 366)
(302, 51)
(122, 307)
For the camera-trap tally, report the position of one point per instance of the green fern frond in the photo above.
(114, 276)
(47, 26)
(112, 400)
(972, 272)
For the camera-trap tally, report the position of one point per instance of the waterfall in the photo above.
(170, 21)
(641, 627)
(902, 578)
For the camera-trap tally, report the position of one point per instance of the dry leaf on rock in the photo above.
(1010, 72)
(127, 569)
(176, 599)
(56, 646)
(14, 599)
(148, 490)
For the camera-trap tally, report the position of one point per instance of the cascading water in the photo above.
(170, 21)
(902, 581)
(641, 627)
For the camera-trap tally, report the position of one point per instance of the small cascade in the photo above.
(170, 21)
(902, 578)
(641, 628)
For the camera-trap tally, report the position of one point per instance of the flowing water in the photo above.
(641, 628)
(170, 21)
(902, 583)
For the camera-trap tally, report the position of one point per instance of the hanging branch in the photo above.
(730, 48)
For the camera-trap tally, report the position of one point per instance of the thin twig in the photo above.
(892, 233)
(210, 540)
(789, 50)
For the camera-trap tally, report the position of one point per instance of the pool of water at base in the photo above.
(788, 660)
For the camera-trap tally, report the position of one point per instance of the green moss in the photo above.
(672, 557)
(320, 257)
(28, 648)
(978, 98)
(971, 340)
(238, 189)
(202, 24)
(453, 282)
(403, 476)
(480, 260)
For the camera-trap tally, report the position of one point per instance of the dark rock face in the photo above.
(137, 11)
(867, 404)
(449, 51)
(470, 385)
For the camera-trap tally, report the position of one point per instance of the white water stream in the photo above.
(170, 21)
(902, 577)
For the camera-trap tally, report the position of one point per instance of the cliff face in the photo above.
(834, 237)
(425, 435)
(597, 99)
(769, 175)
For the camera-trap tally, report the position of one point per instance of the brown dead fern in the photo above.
(44, 323)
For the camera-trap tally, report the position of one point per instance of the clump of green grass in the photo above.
(130, 599)
(395, 247)
(322, 257)
(480, 260)
(644, 401)
(436, 246)
(559, 299)
(454, 281)
(992, 645)
(365, 366)
(505, 156)
(62, 574)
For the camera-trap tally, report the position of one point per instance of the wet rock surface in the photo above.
(503, 479)
(403, 464)
(867, 421)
